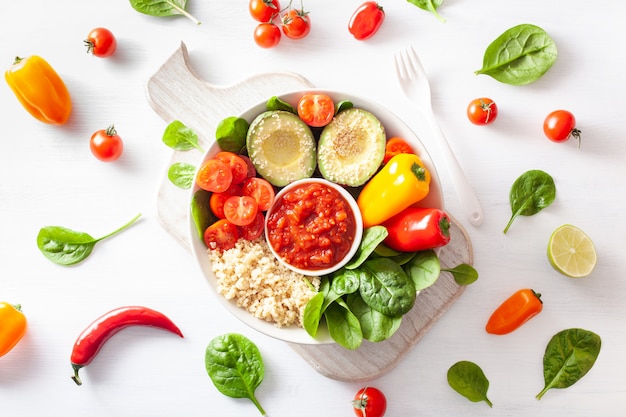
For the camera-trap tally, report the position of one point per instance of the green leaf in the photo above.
(375, 326)
(163, 8)
(372, 237)
(64, 246)
(533, 191)
(423, 269)
(430, 6)
(235, 366)
(180, 137)
(231, 133)
(201, 212)
(181, 174)
(313, 314)
(343, 326)
(463, 274)
(276, 103)
(469, 380)
(569, 355)
(386, 288)
(343, 105)
(521, 55)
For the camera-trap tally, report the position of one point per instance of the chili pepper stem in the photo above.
(75, 377)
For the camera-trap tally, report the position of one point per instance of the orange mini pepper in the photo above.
(39, 89)
(402, 182)
(12, 326)
(515, 311)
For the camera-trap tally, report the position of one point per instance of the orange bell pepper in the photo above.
(39, 89)
(402, 182)
(12, 326)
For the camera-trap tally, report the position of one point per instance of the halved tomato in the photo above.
(221, 235)
(237, 165)
(251, 168)
(261, 190)
(255, 229)
(240, 210)
(214, 176)
(316, 109)
(394, 146)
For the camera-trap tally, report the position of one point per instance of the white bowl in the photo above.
(393, 127)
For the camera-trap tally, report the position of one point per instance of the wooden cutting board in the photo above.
(175, 92)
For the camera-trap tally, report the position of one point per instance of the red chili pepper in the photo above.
(417, 228)
(91, 339)
(515, 311)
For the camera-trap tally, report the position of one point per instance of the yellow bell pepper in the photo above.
(402, 182)
(39, 89)
(12, 326)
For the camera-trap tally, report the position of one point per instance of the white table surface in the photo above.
(49, 177)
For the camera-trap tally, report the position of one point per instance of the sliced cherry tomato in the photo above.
(264, 10)
(261, 190)
(217, 200)
(106, 144)
(315, 109)
(237, 165)
(214, 176)
(395, 146)
(101, 42)
(251, 168)
(221, 235)
(482, 111)
(560, 125)
(255, 229)
(296, 24)
(369, 402)
(240, 210)
(366, 20)
(267, 35)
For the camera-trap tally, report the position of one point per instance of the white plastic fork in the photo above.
(415, 85)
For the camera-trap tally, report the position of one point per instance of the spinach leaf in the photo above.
(163, 8)
(235, 366)
(313, 314)
(180, 137)
(569, 355)
(463, 274)
(521, 55)
(276, 103)
(343, 105)
(375, 326)
(372, 237)
(469, 380)
(533, 191)
(201, 212)
(343, 326)
(386, 288)
(345, 282)
(429, 6)
(64, 246)
(181, 174)
(423, 269)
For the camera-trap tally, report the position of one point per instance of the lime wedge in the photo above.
(571, 252)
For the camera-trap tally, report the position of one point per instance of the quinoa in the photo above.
(250, 275)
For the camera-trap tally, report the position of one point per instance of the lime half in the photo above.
(571, 252)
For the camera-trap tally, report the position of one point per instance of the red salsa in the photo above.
(312, 227)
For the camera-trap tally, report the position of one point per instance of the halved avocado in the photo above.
(351, 147)
(281, 147)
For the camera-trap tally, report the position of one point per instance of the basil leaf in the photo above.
(235, 366)
(372, 237)
(162, 8)
(343, 326)
(429, 6)
(463, 274)
(375, 326)
(386, 288)
(201, 212)
(423, 269)
(569, 355)
(64, 246)
(533, 191)
(469, 380)
(180, 137)
(181, 174)
(521, 55)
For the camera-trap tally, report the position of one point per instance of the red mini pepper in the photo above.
(515, 311)
(91, 339)
(417, 228)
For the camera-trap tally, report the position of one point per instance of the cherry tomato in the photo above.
(395, 146)
(296, 24)
(315, 109)
(106, 144)
(217, 200)
(251, 168)
(237, 165)
(366, 20)
(482, 111)
(214, 176)
(255, 229)
(264, 10)
(261, 190)
(369, 402)
(267, 35)
(221, 235)
(560, 125)
(101, 42)
(240, 210)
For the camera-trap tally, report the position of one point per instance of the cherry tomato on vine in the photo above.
(264, 10)
(560, 125)
(482, 111)
(101, 42)
(240, 210)
(395, 146)
(369, 402)
(366, 20)
(296, 24)
(267, 35)
(316, 109)
(221, 235)
(106, 144)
